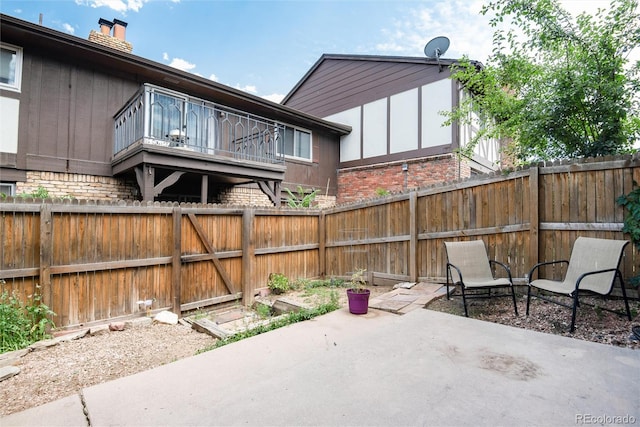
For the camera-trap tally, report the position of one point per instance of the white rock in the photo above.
(166, 317)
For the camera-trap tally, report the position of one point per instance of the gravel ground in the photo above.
(62, 370)
(592, 323)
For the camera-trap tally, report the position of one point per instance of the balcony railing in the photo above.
(166, 118)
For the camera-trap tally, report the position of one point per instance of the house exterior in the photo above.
(87, 118)
(392, 105)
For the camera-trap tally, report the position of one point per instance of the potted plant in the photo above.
(357, 294)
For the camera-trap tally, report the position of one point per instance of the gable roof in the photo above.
(75, 49)
(443, 62)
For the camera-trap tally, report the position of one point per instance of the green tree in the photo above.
(554, 86)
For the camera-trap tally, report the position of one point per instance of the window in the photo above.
(10, 67)
(295, 143)
(7, 189)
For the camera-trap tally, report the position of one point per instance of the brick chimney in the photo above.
(104, 37)
(119, 29)
(105, 26)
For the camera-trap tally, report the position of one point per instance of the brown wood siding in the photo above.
(326, 151)
(66, 116)
(338, 85)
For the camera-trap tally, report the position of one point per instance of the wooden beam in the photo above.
(212, 250)
(176, 284)
(167, 182)
(46, 253)
(204, 189)
(248, 257)
(534, 216)
(322, 248)
(413, 233)
(272, 193)
(145, 176)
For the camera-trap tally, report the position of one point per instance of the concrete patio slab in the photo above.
(423, 368)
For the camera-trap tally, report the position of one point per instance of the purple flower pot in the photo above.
(358, 301)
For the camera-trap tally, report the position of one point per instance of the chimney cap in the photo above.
(119, 22)
(106, 22)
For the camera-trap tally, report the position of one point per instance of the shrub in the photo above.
(22, 324)
(278, 283)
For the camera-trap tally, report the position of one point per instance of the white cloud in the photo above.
(468, 31)
(213, 77)
(247, 88)
(165, 56)
(68, 28)
(274, 97)
(121, 6)
(182, 64)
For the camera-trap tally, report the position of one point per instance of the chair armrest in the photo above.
(590, 273)
(541, 264)
(505, 266)
(449, 266)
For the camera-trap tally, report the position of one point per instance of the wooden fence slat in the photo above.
(99, 261)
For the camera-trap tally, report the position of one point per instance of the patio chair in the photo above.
(469, 266)
(593, 267)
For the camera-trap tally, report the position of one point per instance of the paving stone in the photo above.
(73, 335)
(8, 372)
(406, 297)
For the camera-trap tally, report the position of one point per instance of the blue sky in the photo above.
(265, 47)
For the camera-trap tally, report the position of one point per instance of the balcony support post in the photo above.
(204, 189)
(272, 190)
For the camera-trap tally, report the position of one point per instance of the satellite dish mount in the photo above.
(436, 48)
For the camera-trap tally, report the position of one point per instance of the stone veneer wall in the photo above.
(85, 187)
(246, 196)
(110, 41)
(362, 183)
(243, 196)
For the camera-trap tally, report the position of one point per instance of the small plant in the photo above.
(39, 193)
(22, 324)
(263, 310)
(289, 319)
(381, 192)
(278, 283)
(358, 282)
(302, 199)
(631, 202)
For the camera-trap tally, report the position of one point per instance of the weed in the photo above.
(22, 324)
(263, 310)
(278, 283)
(288, 319)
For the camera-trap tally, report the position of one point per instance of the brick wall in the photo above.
(84, 187)
(362, 183)
(245, 196)
(110, 41)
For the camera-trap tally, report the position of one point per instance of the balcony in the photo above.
(160, 129)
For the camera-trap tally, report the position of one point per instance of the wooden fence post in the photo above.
(46, 251)
(322, 245)
(248, 257)
(534, 216)
(413, 236)
(176, 262)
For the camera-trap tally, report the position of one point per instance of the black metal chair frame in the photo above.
(487, 288)
(575, 294)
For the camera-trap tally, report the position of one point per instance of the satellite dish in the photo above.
(436, 47)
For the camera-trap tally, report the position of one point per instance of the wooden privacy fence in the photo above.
(95, 262)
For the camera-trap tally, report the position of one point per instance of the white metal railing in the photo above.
(163, 117)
